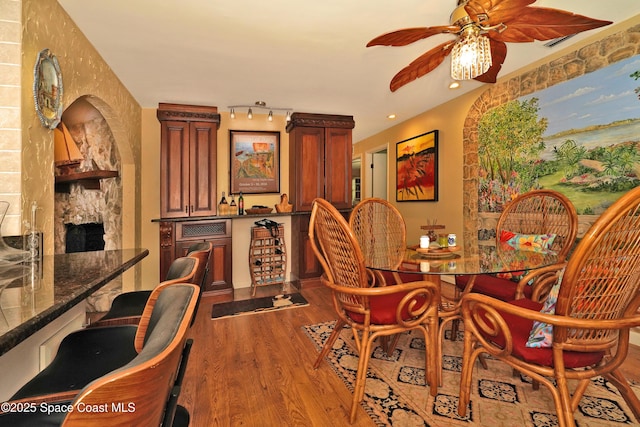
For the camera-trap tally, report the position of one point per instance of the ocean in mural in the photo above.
(580, 137)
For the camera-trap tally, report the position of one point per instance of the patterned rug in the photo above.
(257, 305)
(396, 395)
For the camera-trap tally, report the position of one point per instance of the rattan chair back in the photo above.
(542, 212)
(380, 231)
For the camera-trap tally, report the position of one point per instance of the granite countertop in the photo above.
(44, 290)
(221, 217)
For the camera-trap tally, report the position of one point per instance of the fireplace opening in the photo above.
(84, 237)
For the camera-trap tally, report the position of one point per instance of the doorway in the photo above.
(377, 174)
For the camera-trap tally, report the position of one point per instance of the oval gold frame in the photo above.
(47, 89)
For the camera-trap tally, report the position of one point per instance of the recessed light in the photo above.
(391, 116)
(454, 84)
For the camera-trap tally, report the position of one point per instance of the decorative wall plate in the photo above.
(47, 89)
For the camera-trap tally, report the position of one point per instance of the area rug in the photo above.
(257, 305)
(396, 395)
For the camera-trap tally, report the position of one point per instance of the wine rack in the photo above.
(267, 257)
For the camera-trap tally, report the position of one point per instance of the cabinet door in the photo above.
(309, 167)
(203, 163)
(174, 169)
(337, 154)
(220, 269)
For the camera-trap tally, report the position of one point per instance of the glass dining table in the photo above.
(434, 263)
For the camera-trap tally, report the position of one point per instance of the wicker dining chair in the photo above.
(597, 303)
(370, 311)
(536, 212)
(381, 233)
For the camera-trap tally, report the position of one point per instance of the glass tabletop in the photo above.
(484, 259)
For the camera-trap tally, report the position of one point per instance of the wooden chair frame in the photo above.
(596, 307)
(354, 297)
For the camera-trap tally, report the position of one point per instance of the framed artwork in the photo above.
(47, 89)
(417, 168)
(255, 161)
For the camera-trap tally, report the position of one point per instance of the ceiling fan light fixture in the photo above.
(471, 55)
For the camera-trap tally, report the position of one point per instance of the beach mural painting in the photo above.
(580, 137)
(255, 162)
(417, 168)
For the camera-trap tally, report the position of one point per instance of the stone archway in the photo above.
(592, 57)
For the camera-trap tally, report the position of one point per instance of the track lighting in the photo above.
(259, 105)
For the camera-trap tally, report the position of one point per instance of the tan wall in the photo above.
(10, 132)
(151, 184)
(448, 119)
(84, 72)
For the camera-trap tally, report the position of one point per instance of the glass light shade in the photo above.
(250, 114)
(471, 56)
(270, 116)
(233, 113)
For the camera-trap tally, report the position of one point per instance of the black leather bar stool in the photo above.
(127, 307)
(146, 381)
(89, 353)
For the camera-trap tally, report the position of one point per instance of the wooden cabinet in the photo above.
(320, 151)
(188, 160)
(176, 237)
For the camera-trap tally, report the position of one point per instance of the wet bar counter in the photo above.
(46, 290)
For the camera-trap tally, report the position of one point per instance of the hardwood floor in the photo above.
(257, 370)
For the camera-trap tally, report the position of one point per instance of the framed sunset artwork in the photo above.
(417, 168)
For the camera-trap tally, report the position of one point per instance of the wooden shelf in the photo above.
(89, 179)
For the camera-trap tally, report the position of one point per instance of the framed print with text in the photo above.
(255, 161)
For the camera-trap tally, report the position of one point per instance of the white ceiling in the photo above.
(306, 55)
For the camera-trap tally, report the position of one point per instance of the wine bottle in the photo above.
(223, 206)
(241, 204)
(233, 208)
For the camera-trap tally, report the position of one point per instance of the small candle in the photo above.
(425, 266)
(424, 242)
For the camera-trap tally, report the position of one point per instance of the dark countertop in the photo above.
(55, 284)
(220, 217)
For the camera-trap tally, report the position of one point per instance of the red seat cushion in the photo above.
(496, 287)
(405, 277)
(383, 309)
(520, 329)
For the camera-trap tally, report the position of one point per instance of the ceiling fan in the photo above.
(483, 27)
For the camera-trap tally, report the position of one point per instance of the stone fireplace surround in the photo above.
(82, 206)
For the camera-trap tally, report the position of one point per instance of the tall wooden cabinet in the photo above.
(188, 175)
(188, 160)
(320, 151)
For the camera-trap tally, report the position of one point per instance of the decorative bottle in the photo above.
(223, 206)
(233, 208)
(241, 204)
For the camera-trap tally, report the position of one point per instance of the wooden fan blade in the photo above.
(539, 23)
(499, 11)
(421, 66)
(410, 35)
(498, 55)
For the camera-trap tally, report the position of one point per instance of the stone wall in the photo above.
(592, 57)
